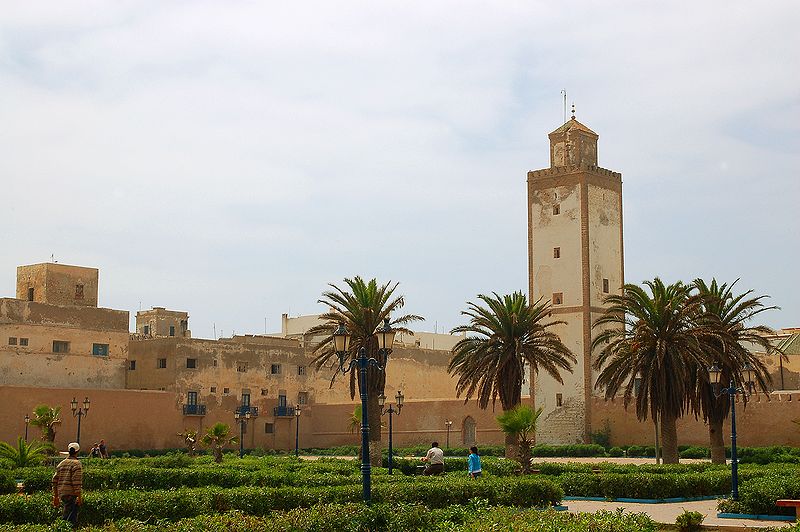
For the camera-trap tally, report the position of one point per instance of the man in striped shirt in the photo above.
(67, 483)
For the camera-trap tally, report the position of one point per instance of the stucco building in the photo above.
(575, 256)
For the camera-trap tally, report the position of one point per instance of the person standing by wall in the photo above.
(67, 484)
(103, 449)
(474, 462)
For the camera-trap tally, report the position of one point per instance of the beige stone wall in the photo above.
(56, 284)
(605, 242)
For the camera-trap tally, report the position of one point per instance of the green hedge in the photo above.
(580, 450)
(758, 495)
(645, 485)
(191, 502)
(383, 517)
(490, 465)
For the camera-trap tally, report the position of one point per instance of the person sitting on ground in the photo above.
(67, 484)
(474, 462)
(435, 459)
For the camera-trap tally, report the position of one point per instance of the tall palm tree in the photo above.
(217, 438)
(725, 316)
(648, 345)
(46, 418)
(502, 338)
(361, 307)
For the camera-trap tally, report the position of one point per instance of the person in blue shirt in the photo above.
(474, 463)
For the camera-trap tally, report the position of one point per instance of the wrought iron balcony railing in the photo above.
(194, 410)
(283, 411)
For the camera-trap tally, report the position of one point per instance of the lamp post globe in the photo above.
(297, 430)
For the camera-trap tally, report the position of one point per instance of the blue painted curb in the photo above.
(757, 517)
(560, 508)
(646, 501)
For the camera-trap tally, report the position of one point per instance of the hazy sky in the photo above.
(232, 158)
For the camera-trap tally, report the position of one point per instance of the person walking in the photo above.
(67, 484)
(474, 462)
(435, 459)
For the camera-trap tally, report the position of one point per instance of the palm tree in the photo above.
(361, 309)
(648, 345)
(502, 338)
(46, 418)
(217, 438)
(520, 423)
(24, 454)
(724, 316)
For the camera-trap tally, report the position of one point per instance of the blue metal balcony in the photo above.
(283, 411)
(252, 409)
(194, 410)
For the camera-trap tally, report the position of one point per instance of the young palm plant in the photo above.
(520, 423)
(502, 339)
(648, 345)
(217, 438)
(724, 317)
(24, 454)
(46, 418)
(361, 307)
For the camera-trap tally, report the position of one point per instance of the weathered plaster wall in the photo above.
(55, 284)
(605, 242)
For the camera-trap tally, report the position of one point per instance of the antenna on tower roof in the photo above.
(573, 110)
(564, 94)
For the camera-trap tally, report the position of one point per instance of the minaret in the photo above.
(575, 259)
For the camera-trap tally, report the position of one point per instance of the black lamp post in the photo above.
(79, 412)
(341, 342)
(297, 430)
(391, 410)
(448, 424)
(27, 422)
(242, 415)
(714, 374)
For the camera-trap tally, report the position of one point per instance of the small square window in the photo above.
(60, 346)
(172, 330)
(275, 369)
(226, 391)
(302, 398)
(131, 365)
(269, 428)
(559, 399)
(558, 298)
(12, 340)
(214, 363)
(30, 294)
(556, 253)
(191, 363)
(161, 363)
(146, 330)
(100, 350)
(263, 391)
(605, 286)
(241, 367)
(301, 370)
(23, 341)
(78, 291)
(556, 209)
(213, 389)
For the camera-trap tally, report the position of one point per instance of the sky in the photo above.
(230, 159)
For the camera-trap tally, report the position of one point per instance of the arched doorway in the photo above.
(468, 431)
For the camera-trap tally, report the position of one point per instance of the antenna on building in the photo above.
(573, 110)
(564, 94)
(265, 325)
(215, 330)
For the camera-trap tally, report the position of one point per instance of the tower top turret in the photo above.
(573, 144)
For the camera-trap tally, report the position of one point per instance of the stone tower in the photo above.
(574, 260)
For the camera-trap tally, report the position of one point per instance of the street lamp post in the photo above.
(241, 415)
(341, 342)
(714, 374)
(27, 422)
(391, 410)
(448, 424)
(297, 430)
(79, 412)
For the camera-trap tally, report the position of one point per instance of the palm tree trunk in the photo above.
(717, 441)
(374, 415)
(669, 438)
(512, 446)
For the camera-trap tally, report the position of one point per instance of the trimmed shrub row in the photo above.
(191, 502)
(383, 517)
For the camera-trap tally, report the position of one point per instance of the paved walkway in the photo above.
(667, 513)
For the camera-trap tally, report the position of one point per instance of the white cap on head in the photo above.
(74, 447)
